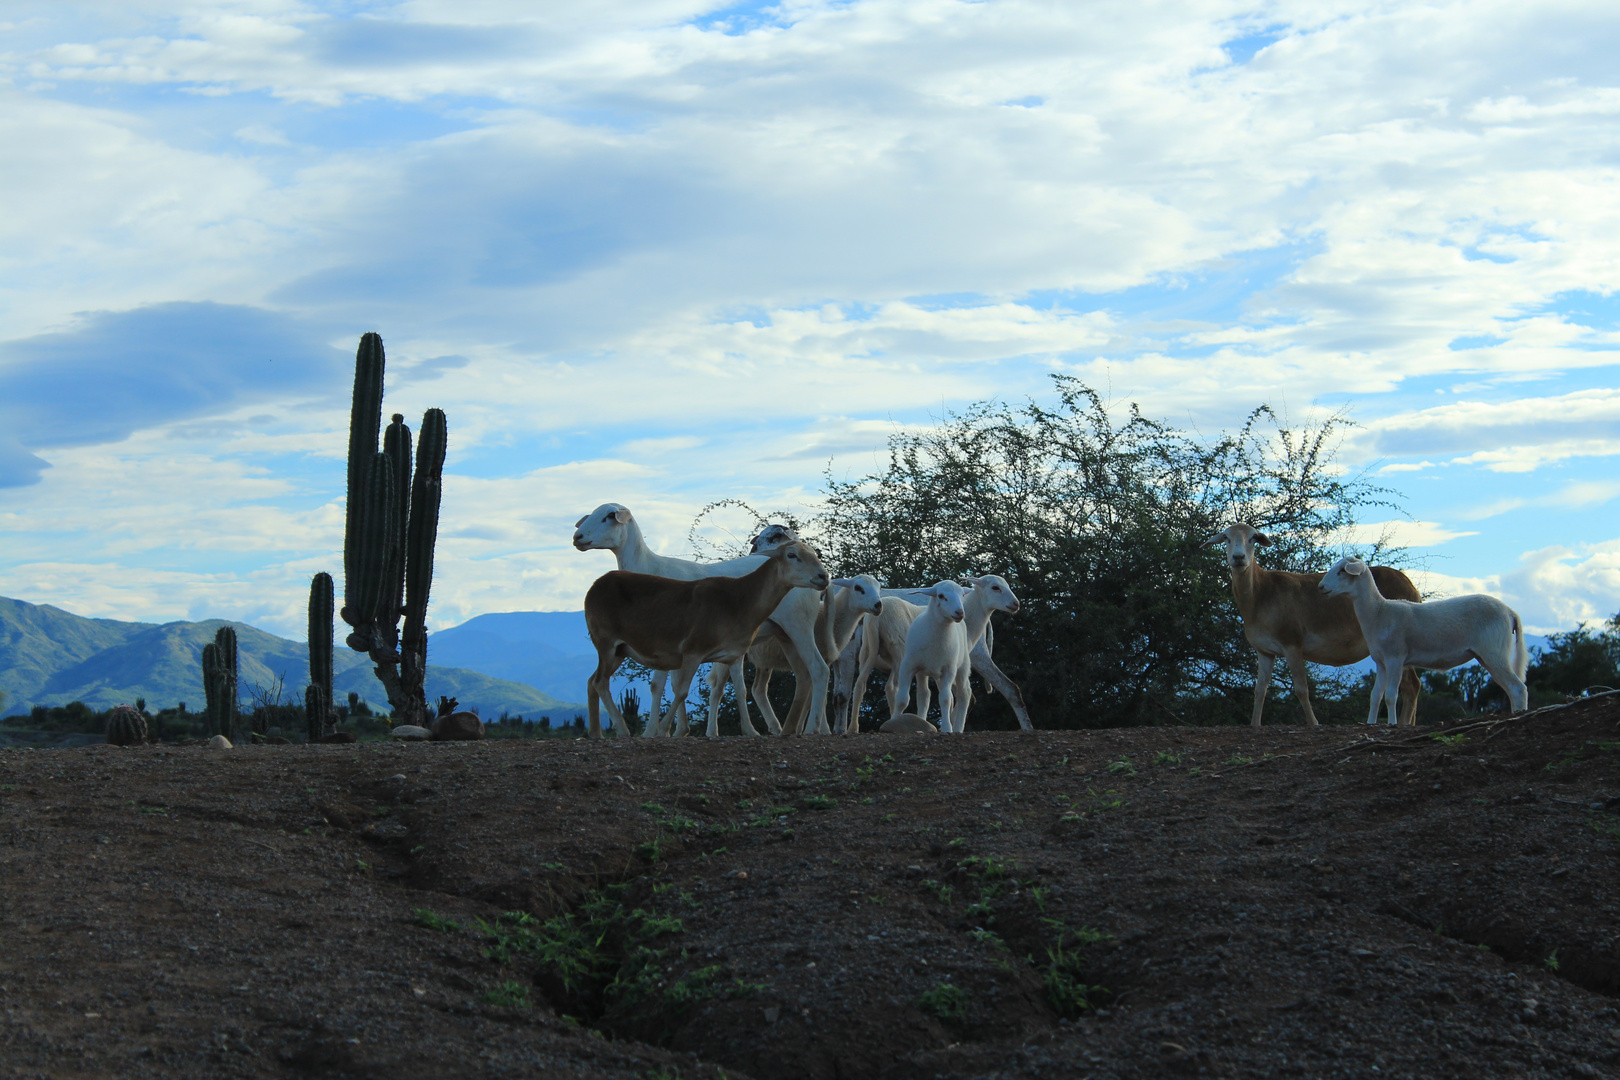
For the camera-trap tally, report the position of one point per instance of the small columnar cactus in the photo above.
(318, 695)
(126, 726)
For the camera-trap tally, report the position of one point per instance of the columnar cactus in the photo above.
(219, 683)
(126, 726)
(392, 525)
(318, 696)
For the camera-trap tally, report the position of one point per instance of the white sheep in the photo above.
(880, 645)
(1440, 634)
(936, 648)
(847, 602)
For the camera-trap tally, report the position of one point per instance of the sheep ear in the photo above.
(622, 516)
(1355, 568)
(1218, 538)
(843, 582)
(921, 592)
(1262, 539)
(581, 521)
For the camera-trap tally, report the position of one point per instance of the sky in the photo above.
(666, 252)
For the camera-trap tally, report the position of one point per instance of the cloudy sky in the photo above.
(667, 251)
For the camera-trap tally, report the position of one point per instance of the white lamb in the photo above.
(936, 648)
(1439, 634)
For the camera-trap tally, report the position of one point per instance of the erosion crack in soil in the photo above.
(1128, 903)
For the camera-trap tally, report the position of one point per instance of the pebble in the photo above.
(908, 723)
(411, 733)
(219, 742)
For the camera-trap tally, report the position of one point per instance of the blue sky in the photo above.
(668, 251)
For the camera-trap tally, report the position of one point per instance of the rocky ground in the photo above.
(1137, 903)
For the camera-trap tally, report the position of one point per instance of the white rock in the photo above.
(411, 732)
(219, 742)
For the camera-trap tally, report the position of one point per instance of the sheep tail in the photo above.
(1521, 652)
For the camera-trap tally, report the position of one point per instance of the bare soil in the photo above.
(1147, 902)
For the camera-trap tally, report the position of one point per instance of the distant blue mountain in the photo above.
(548, 650)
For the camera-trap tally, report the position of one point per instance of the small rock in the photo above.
(461, 725)
(908, 723)
(771, 1014)
(411, 733)
(219, 742)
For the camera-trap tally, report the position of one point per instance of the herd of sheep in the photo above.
(778, 607)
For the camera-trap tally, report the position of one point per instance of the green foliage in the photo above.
(945, 1001)
(434, 921)
(606, 956)
(1578, 660)
(1098, 524)
(508, 995)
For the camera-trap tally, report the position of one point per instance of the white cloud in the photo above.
(1399, 534)
(1554, 588)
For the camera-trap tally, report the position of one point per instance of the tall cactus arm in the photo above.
(365, 420)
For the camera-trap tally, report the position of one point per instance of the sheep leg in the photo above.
(844, 669)
(718, 674)
(678, 720)
(1503, 675)
(1377, 692)
(1391, 690)
(1302, 684)
(947, 704)
(803, 640)
(657, 719)
(760, 692)
(739, 687)
(599, 692)
(1262, 685)
(987, 670)
(1410, 686)
(963, 692)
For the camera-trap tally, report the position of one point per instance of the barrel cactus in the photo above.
(126, 726)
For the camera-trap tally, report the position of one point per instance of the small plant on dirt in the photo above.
(652, 808)
(1165, 757)
(1606, 827)
(1239, 759)
(1551, 962)
(982, 936)
(1066, 975)
(651, 850)
(957, 843)
(508, 995)
(434, 921)
(1039, 894)
(944, 1001)
(1448, 740)
(820, 802)
(942, 892)
(1123, 767)
(986, 867)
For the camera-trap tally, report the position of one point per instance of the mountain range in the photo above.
(51, 657)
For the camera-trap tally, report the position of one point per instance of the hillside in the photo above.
(50, 656)
(548, 650)
(1133, 904)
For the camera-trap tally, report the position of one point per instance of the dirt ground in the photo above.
(1134, 903)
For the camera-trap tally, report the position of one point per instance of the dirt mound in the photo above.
(1134, 903)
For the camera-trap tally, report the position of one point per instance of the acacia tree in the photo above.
(1098, 524)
